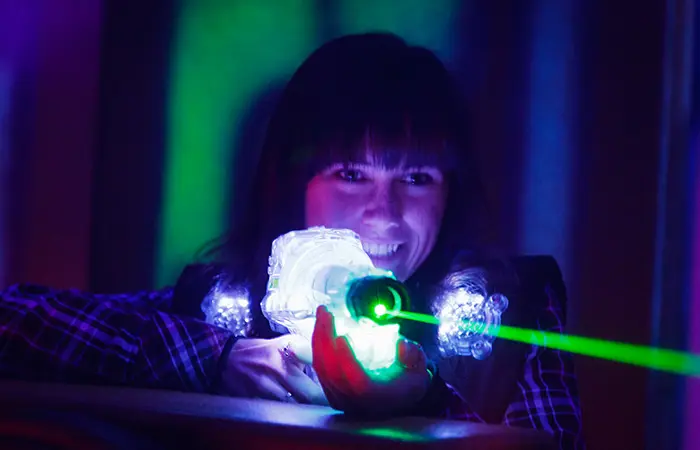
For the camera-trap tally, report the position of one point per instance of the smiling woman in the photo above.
(367, 136)
(397, 212)
(377, 150)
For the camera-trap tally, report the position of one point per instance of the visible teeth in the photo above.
(379, 249)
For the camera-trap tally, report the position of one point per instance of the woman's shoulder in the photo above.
(541, 284)
(531, 282)
(533, 285)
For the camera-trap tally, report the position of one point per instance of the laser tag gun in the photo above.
(322, 266)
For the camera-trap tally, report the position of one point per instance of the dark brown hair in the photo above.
(353, 93)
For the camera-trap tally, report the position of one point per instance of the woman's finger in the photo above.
(300, 348)
(355, 378)
(411, 355)
(270, 389)
(328, 363)
(335, 400)
(323, 345)
(303, 388)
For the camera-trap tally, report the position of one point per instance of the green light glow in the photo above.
(224, 54)
(380, 310)
(394, 434)
(681, 363)
(421, 22)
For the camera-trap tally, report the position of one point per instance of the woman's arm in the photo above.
(160, 299)
(70, 336)
(547, 396)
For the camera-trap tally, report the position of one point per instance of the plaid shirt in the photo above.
(72, 336)
(131, 339)
(547, 396)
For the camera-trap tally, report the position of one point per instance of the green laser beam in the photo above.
(674, 361)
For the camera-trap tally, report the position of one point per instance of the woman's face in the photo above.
(396, 211)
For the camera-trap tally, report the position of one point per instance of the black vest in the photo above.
(488, 386)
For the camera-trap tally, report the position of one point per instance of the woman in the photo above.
(368, 135)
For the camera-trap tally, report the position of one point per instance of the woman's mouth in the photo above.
(380, 251)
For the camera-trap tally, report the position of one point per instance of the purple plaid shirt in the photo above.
(547, 396)
(132, 339)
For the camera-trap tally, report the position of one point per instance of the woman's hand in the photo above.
(270, 369)
(351, 388)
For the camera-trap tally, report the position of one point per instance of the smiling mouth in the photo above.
(380, 250)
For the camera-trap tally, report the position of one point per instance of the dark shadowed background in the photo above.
(125, 127)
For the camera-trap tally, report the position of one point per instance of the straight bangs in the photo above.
(400, 143)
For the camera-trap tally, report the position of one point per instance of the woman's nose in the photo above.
(383, 211)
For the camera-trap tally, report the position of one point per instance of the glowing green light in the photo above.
(225, 54)
(380, 310)
(394, 434)
(674, 361)
(681, 363)
(421, 22)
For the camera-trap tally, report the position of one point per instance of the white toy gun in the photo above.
(322, 266)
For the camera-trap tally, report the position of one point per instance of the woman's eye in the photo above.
(418, 179)
(350, 175)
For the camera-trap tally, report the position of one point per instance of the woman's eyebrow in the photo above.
(419, 167)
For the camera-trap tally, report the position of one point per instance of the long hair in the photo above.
(353, 93)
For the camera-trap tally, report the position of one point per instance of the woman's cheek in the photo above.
(426, 216)
(341, 209)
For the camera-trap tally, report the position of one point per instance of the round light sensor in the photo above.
(377, 298)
